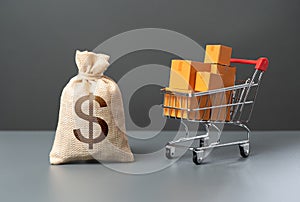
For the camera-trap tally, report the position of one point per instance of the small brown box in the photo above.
(183, 73)
(169, 101)
(218, 54)
(194, 104)
(227, 73)
(208, 81)
(184, 103)
(220, 113)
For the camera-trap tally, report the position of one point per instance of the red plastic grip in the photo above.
(260, 64)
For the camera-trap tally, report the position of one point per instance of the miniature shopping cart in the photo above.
(235, 108)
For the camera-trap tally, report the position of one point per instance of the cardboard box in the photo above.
(184, 78)
(186, 103)
(227, 73)
(172, 100)
(183, 73)
(218, 54)
(221, 113)
(208, 81)
(169, 100)
(217, 114)
(194, 104)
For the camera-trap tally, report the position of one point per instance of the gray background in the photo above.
(39, 38)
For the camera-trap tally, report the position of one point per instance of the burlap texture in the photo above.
(93, 89)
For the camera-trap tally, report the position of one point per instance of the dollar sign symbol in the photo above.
(91, 119)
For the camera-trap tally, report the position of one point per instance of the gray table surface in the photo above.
(271, 173)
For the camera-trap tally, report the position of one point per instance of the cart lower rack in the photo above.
(231, 105)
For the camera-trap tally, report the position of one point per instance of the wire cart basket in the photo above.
(230, 105)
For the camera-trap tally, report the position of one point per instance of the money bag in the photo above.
(91, 122)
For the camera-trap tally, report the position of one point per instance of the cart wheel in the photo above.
(198, 156)
(170, 152)
(244, 150)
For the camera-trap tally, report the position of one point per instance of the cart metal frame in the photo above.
(241, 96)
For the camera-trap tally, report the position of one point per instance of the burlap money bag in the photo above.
(91, 122)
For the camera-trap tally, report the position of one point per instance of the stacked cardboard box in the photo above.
(190, 76)
(182, 79)
(218, 56)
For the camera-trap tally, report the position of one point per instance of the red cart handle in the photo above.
(260, 64)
